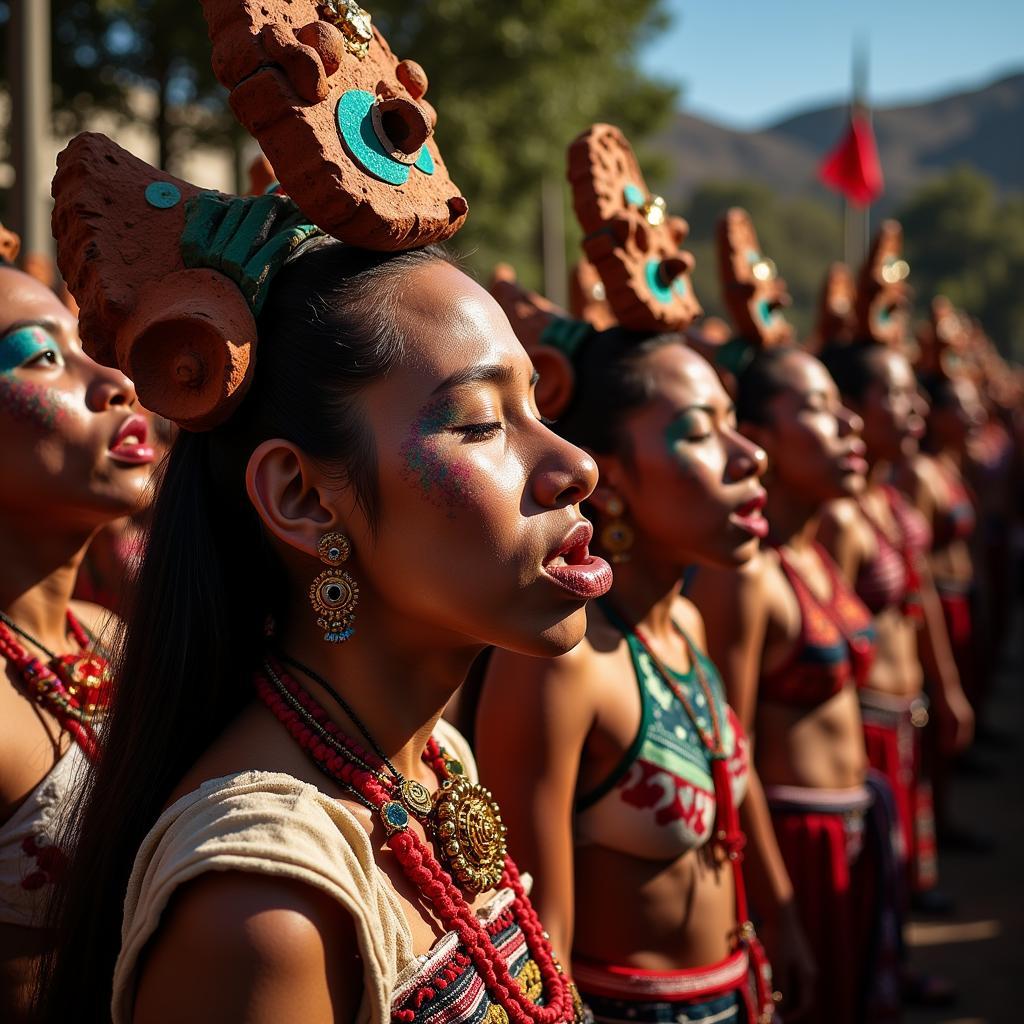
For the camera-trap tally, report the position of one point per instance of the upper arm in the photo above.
(735, 615)
(252, 949)
(532, 725)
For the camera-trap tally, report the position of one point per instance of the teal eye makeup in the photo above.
(690, 426)
(24, 344)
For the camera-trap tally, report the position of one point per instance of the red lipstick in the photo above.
(130, 443)
(748, 517)
(572, 567)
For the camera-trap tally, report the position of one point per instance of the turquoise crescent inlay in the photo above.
(679, 286)
(163, 195)
(355, 126)
(753, 256)
(765, 312)
(658, 290)
(634, 196)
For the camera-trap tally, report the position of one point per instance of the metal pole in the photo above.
(31, 106)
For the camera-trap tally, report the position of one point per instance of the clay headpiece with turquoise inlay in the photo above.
(169, 278)
(10, 246)
(883, 293)
(629, 237)
(343, 121)
(753, 292)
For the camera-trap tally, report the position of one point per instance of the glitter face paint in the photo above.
(30, 403)
(443, 481)
(25, 401)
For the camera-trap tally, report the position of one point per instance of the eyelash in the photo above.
(479, 431)
(50, 355)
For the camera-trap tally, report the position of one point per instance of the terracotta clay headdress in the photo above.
(837, 315)
(753, 292)
(945, 341)
(170, 278)
(635, 275)
(883, 295)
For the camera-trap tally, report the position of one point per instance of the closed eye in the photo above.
(479, 431)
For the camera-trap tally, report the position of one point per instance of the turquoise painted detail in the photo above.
(765, 312)
(884, 315)
(425, 162)
(566, 335)
(658, 290)
(355, 126)
(735, 355)
(634, 196)
(753, 256)
(247, 239)
(18, 347)
(679, 286)
(163, 195)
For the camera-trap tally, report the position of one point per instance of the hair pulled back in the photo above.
(758, 384)
(611, 381)
(853, 367)
(209, 580)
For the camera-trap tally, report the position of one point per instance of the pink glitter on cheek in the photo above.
(30, 403)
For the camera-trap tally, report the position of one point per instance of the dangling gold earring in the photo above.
(617, 535)
(334, 594)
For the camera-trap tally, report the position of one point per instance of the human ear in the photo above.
(287, 490)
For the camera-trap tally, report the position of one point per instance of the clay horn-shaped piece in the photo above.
(587, 297)
(837, 302)
(168, 278)
(549, 335)
(883, 293)
(10, 245)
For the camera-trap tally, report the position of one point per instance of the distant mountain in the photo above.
(983, 127)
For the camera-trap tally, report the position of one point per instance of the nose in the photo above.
(565, 476)
(745, 457)
(108, 388)
(849, 422)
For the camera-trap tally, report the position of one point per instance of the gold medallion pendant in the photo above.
(470, 833)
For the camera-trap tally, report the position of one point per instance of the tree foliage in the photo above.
(965, 242)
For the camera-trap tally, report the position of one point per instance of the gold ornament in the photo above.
(655, 210)
(334, 594)
(417, 797)
(470, 833)
(353, 23)
(617, 535)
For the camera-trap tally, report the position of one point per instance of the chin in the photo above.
(554, 639)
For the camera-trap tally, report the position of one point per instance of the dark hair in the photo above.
(610, 381)
(760, 381)
(940, 389)
(852, 366)
(208, 582)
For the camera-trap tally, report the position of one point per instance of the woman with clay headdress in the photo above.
(75, 456)
(797, 644)
(362, 497)
(620, 766)
(881, 543)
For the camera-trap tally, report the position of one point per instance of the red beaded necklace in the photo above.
(74, 688)
(362, 774)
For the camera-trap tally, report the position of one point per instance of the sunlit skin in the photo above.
(439, 580)
(548, 731)
(925, 477)
(60, 483)
(815, 456)
(892, 428)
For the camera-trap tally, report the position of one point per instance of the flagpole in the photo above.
(856, 220)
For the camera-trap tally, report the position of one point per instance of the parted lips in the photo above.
(629, 237)
(342, 120)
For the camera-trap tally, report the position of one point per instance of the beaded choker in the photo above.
(74, 688)
(467, 830)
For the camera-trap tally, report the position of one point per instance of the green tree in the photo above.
(514, 84)
(964, 242)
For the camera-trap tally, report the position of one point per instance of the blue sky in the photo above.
(748, 62)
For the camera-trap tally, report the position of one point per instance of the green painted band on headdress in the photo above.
(566, 335)
(735, 355)
(245, 238)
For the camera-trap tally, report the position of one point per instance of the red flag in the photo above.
(853, 167)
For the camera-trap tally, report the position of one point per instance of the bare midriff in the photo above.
(821, 747)
(896, 670)
(650, 914)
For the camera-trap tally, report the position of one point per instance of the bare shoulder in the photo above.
(101, 622)
(842, 514)
(254, 948)
(690, 620)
